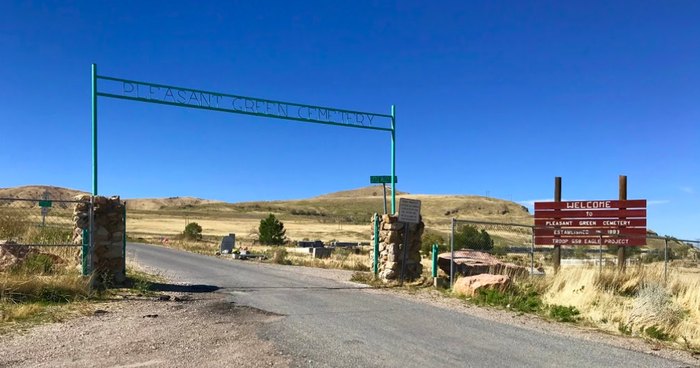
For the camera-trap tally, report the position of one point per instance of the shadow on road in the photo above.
(253, 288)
(156, 286)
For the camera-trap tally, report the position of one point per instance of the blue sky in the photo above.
(492, 98)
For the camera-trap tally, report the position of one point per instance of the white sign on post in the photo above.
(409, 210)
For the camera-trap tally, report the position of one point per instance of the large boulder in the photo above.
(12, 254)
(471, 262)
(470, 285)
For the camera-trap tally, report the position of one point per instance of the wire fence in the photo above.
(515, 243)
(37, 222)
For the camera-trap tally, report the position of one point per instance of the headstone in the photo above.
(227, 244)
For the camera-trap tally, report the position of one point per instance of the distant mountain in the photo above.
(350, 206)
(37, 192)
(58, 193)
(371, 191)
(152, 204)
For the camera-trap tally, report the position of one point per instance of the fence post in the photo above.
(532, 253)
(621, 256)
(376, 245)
(435, 259)
(600, 254)
(124, 241)
(665, 260)
(91, 230)
(86, 249)
(452, 254)
(556, 254)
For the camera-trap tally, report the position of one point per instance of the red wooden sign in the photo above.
(585, 205)
(568, 232)
(606, 222)
(636, 241)
(599, 223)
(564, 214)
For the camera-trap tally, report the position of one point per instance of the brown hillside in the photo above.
(152, 204)
(58, 193)
(371, 191)
(37, 192)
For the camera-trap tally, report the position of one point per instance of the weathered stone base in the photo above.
(391, 249)
(108, 255)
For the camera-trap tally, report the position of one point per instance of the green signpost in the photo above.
(384, 180)
(199, 99)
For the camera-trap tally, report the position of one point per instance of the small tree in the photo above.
(192, 231)
(469, 237)
(271, 231)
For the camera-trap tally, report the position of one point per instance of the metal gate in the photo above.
(48, 226)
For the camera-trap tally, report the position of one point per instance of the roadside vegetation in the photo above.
(636, 302)
(44, 283)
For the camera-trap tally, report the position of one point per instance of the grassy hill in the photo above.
(357, 206)
(343, 215)
(37, 192)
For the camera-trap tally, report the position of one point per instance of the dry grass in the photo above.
(29, 298)
(635, 302)
(170, 225)
(23, 287)
(43, 287)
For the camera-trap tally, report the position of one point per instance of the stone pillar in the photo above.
(108, 254)
(391, 247)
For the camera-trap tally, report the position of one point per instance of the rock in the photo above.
(164, 298)
(471, 262)
(392, 226)
(470, 285)
(12, 254)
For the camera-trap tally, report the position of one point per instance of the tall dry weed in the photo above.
(632, 301)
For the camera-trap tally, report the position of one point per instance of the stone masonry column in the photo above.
(108, 254)
(391, 247)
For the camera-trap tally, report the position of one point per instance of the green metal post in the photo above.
(124, 242)
(435, 254)
(94, 129)
(393, 159)
(376, 244)
(86, 249)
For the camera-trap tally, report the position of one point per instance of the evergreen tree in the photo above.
(272, 231)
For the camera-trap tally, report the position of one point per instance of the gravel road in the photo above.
(201, 330)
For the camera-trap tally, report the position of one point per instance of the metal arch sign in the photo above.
(133, 90)
(199, 99)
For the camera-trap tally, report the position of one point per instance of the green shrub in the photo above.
(520, 298)
(36, 264)
(469, 237)
(429, 238)
(564, 313)
(192, 231)
(657, 333)
(624, 329)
